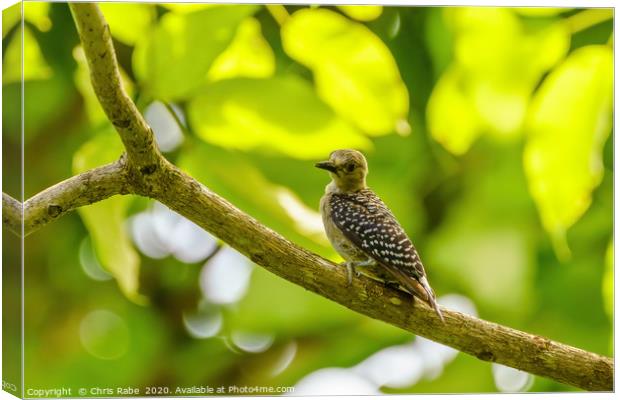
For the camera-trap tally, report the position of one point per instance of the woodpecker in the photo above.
(364, 231)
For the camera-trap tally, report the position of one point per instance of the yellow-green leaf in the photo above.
(354, 71)
(452, 118)
(128, 21)
(36, 12)
(587, 18)
(175, 58)
(362, 13)
(568, 124)
(249, 55)
(540, 11)
(505, 62)
(279, 114)
(184, 8)
(500, 62)
(35, 66)
(10, 16)
(105, 220)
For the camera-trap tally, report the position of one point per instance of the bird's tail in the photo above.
(418, 287)
(430, 297)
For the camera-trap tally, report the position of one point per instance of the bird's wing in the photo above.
(367, 222)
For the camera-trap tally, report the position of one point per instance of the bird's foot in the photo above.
(351, 268)
(351, 265)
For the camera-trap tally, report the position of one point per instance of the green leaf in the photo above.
(458, 131)
(498, 62)
(588, 18)
(175, 58)
(249, 55)
(439, 39)
(184, 8)
(504, 87)
(128, 21)
(354, 71)
(105, 220)
(540, 11)
(568, 124)
(504, 63)
(35, 66)
(37, 14)
(10, 17)
(281, 114)
(362, 13)
(46, 94)
(44, 103)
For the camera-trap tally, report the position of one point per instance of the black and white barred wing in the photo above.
(367, 222)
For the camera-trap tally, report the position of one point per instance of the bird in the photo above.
(364, 231)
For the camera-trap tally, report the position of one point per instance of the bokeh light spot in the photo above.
(89, 262)
(203, 324)
(104, 335)
(511, 380)
(167, 131)
(252, 342)
(225, 278)
(334, 381)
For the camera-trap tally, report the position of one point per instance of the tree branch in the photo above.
(105, 77)
(81, 190)
(12, 214)
(485, 340)
(147, 173)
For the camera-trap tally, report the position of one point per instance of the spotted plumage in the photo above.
(367, 222)
(365, 232)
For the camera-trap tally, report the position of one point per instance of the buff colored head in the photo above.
(348, 169)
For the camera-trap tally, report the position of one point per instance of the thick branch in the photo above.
(81, 190)
(484, 340)
(147, 173)
(105, 77)
(12, 214)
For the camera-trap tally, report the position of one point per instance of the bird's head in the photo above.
(348, 169)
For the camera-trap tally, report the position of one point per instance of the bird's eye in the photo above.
(350, 167)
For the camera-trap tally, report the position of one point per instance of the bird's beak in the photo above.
(326, 165)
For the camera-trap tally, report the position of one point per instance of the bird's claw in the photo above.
(350, 271)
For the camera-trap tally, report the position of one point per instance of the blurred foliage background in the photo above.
(487, 130)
